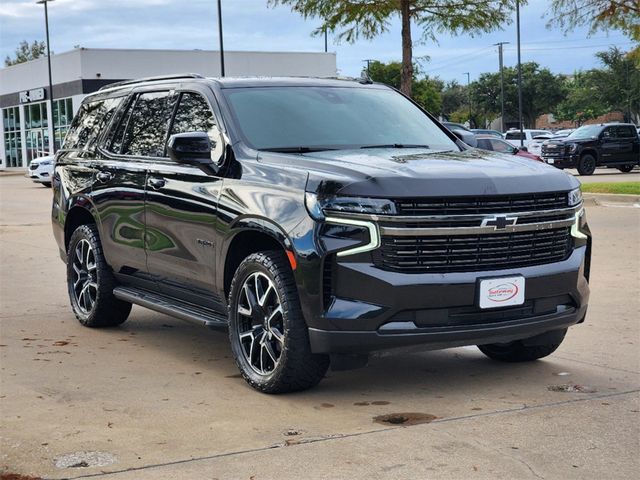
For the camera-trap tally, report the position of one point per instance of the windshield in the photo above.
(586, 131)
(318, 118)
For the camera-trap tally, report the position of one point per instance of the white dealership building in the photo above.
(26, 128)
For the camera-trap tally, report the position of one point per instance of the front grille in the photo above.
(482, 205)
(553, 152)
(467, 253)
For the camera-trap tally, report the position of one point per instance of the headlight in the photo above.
(318, 206)
(573, 147)
(575, 197)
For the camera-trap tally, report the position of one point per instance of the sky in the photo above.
(251, 25)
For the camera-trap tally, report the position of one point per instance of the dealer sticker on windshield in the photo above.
(501, 292)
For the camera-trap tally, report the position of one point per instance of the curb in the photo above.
(603, 198)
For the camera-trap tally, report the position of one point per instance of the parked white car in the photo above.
(513, 136)
(41, 169)
(535, 145)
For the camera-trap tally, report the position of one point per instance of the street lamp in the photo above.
(220, 35)
(519, 75)
(469, 94)
(52, 141)
(500, 44)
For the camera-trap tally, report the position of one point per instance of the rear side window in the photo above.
(513, 135)
(146, 128)
(484, 144)
(91, 120)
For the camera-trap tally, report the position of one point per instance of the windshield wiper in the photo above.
(295, 149)
(396, 145)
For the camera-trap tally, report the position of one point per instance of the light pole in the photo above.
(469, 94)
(519, 75)
(220, 35)
(52, 141)
(500, 44)
(368, 60)
(325, 40)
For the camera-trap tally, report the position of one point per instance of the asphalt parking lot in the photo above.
(158, 398)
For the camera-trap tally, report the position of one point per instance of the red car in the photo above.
(489, 142)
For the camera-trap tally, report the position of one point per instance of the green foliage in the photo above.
(582, 101)
(542, 91)
(369, 18)
(26, 52)
(354, 19)
(425, 91)
(622, 15)
(618, 83)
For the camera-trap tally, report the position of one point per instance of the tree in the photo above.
(370, 18)
(598, 15)
(541, 92)
(454, 98)
(618, 84)
(26, 52)
(582, 101)
(426, 91)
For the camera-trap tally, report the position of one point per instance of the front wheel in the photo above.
(268, 334)
(90, 282)
(587, 164)
(626, 168)
(525, 350)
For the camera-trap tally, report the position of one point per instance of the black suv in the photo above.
(615, 145)
(317, 220)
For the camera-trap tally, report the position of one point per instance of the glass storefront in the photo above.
(35, 124)
(62, 117)
(12, 139)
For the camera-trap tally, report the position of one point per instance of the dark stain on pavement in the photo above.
(404, 419)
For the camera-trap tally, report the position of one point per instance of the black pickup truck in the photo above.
(606, 145)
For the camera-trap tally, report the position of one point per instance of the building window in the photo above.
(36, 128)
(12, 140)
(62, 117)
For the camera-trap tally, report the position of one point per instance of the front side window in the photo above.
(299, 117)
(502, 147)
(586, 131)
(147, 126)
(194, 115)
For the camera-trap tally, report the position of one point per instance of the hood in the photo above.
(417, 172)
(567, 141)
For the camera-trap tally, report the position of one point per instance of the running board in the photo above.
(170, 306)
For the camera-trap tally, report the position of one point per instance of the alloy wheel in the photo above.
(260, 323)
(85, 285)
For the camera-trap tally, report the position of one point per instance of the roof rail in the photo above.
(175, 76)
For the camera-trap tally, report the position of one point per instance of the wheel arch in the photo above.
(250, 235)
(77, 216)
(591, 151)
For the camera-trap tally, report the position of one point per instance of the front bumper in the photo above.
(373, 309)
(567, 161)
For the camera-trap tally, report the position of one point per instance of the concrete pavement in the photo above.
(157, 398)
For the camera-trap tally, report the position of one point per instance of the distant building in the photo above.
(26, 131)
(548, 121)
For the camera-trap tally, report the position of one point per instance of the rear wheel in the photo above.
(525, 350)
(90, 282)
(626, 168)
(587, 164)
(268, 334)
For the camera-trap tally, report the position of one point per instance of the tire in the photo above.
(626, 168)
(587, 164)
(268, 334)
(525, 350)
(47, 184)
(90, 282)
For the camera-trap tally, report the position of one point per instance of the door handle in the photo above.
(104, 177)
(156, 183)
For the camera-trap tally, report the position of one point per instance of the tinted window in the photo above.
(146, 130)
(195, 115)
(91, 120)
(502, 147)
(333, 117)
(515, 135)
(586, 131)
(484, 144)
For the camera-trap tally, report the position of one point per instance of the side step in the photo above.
(170, 306)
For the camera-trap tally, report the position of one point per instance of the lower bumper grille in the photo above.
(458, 253)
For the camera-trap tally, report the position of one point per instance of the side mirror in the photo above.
(192, 148)
(523, 149)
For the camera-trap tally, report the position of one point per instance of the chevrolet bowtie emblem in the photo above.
(499, 222)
